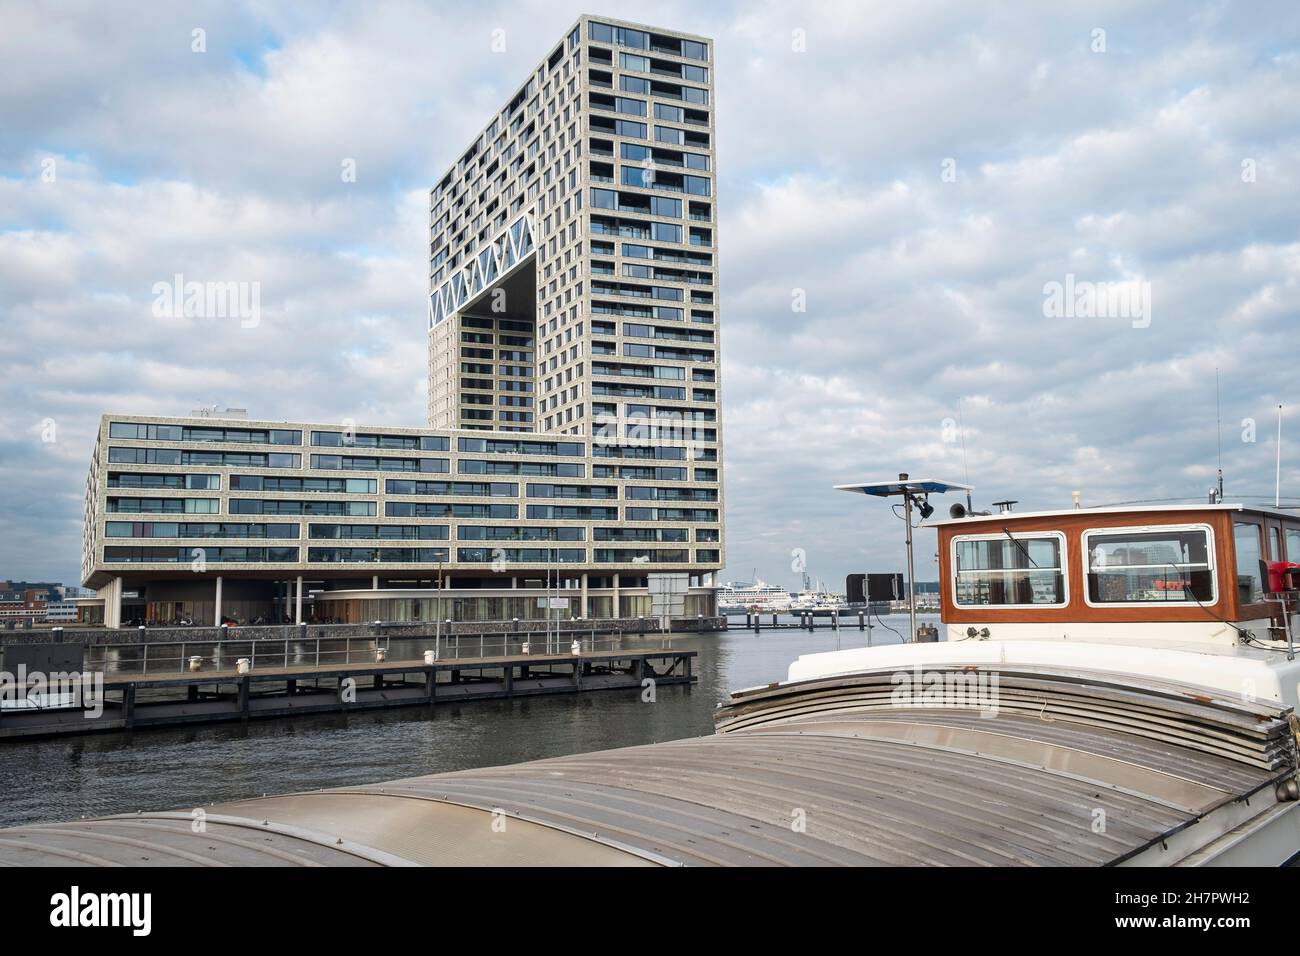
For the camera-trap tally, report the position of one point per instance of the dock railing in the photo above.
(181, 657)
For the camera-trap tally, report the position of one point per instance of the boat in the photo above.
(1112, 685)
(752, 597)
(818, 602)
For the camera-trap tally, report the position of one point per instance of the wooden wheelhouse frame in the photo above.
(1220, 519)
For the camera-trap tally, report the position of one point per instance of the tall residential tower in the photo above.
(572, 266)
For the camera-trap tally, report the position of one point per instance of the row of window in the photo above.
(176, 456)
(641, 40)
(399, 532)
(367, 440)
(257, 436)
(180, 456)
(224, 555)
(197, 529)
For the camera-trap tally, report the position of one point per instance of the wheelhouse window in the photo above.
(1293, 545)
(1245, 538)
(1025, 570)
(1173, 565)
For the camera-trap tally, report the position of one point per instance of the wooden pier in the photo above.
(131, 701)
(850, 619)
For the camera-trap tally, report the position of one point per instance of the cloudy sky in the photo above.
(899, 184)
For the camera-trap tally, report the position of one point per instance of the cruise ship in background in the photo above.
(740, 597)
(759, 596)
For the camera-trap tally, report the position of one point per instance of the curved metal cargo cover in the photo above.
(1066, 771)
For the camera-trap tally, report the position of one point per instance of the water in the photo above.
(181, 768)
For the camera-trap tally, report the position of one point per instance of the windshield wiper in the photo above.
(1023, 549)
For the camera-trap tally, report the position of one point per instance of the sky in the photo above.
(1002, 243)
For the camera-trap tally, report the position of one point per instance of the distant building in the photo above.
(61, 612)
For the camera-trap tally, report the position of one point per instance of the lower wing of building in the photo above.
(202, 521)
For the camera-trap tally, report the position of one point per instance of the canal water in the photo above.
(182, 768)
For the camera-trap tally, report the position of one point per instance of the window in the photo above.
(1293, 545)
(1025, 570)
(630, 61)
(1245, 538)
(1150, 566)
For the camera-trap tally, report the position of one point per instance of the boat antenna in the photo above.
(1277, 481)
(1218, 411)
(965, 471)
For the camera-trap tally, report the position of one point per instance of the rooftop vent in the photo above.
(215, 411)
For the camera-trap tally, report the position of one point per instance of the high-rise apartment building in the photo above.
(572, 270)
(573, 298)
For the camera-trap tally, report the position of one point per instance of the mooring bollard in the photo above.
(196, 664)
(381, 655)
(862, 621)
(429, 657)
(576, 648)
(243, 665)
(526, 648)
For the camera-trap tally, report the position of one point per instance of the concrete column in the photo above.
(514, 583)
(113, 604)
(216, 606)
(585, 612)
(617, 612)
(374, 583)
(297, 614)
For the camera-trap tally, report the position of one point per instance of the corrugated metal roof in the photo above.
(819, 773)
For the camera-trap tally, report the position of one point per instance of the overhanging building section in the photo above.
(606, 153)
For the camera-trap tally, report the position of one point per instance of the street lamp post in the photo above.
(911, 575)
(437, 616)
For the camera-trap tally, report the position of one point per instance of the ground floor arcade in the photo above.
(233, 600)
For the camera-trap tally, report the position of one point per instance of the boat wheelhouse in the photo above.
(1183, 573)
